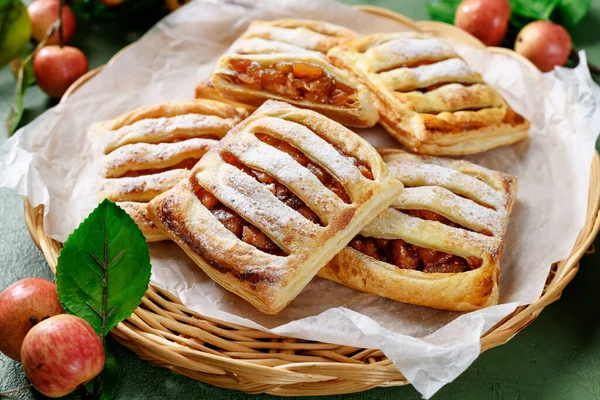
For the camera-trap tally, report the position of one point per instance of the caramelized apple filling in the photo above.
(409, 256)
(292, 80)
(280, 191)
(235, 223)
(326, 179)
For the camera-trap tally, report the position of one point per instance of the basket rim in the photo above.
(298, 377)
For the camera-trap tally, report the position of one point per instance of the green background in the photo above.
(557, 357)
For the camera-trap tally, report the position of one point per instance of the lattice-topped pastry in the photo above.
(274, 201)
(440, 243)
(285, 60)
(429, 99)
(148, 150)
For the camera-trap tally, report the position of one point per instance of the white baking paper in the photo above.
(49, 161)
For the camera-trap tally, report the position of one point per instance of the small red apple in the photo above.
(22, 305)
(61, 353)
(56, 68)
(43, 13)
(545, 44)
(487, 20)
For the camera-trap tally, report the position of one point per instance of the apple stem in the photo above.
(13, 391)
(61, 4)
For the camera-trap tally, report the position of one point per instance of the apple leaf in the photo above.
(572, 11)
(104, 268)
(535, 9)
(442, 10)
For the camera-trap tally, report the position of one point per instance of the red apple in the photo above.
(22, 305)
(487, 20)
(56, 68)
(43, 13)
(545, 44)
(61, 353)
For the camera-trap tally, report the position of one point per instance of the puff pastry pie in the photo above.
(148, 150)
(440, 243)
(428, 98)
(274, 201)
(285, 60)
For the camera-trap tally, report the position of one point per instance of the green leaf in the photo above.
(15, 29)
(442, 10)
(518, 22)
(572, 11)
(534, 9)
(107, 247)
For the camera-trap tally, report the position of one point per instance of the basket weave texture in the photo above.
(166, 333)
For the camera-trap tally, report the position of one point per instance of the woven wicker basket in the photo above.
(167, 334)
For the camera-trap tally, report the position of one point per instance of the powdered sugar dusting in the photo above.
(257, 45)
(141, 188)
(140, 156)
(164, 129)
(287, 171)
(257, 204)
(462, 211)
(303, 37)
(417, 173)
(316, 148)
(405, 50)
(394, 224)
(437, 184)
(451, 70)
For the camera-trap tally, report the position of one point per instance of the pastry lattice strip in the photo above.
(440, 243)
(265, 209)
(148, 150)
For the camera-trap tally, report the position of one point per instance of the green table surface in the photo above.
(557, 357)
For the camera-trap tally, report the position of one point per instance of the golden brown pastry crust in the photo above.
(148, 150)
(269, 281)
(206, 90)
(428, 98)
(447, 187)
(270, 43)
